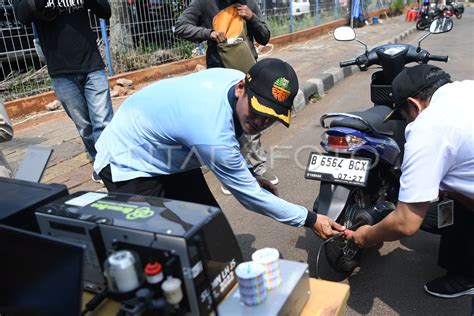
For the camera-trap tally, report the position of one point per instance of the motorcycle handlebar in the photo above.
(439, 58)
(347, 63)
(377, 56)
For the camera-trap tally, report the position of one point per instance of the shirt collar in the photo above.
(233, 103)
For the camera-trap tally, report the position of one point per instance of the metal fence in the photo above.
(140, 34)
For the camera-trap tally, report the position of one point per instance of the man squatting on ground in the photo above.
(439, 156)
(162, 135)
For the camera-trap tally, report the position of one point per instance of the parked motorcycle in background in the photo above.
(360, 167)
(458, 8)
(453, 9)
(447, 11)
(428, 13)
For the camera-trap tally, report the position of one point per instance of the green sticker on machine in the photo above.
(132, 212)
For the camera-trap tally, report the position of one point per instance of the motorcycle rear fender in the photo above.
(332, 199)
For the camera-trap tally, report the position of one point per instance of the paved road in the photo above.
(390, 279)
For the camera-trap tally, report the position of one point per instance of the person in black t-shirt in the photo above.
(74, 62)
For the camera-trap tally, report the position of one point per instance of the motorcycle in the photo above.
(458, 9)
(359, 170)
(447, 11)
(425, 16)
(429, 13)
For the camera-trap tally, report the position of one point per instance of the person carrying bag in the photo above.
(235, 53)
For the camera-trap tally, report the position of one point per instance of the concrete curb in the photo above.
(316, 87)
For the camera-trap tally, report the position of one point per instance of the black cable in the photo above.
(150, 248)
(319, 253)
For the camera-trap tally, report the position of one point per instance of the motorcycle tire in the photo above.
(336, 258)
(420, 26)
(459, 16)
(334, 249)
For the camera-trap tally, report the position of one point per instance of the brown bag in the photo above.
(236, 53)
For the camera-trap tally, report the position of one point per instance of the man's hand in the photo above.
(404, 221)
(326, 227)
(359, 236)
(267, 185)
(218, 37)
(244, 11)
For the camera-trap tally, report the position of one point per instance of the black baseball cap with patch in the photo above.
(409, 83)
(271, 86)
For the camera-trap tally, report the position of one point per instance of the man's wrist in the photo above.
(252, 172)
(252, 19)
(310, 219)
(367, 239)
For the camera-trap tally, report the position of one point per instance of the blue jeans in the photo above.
(86, 100)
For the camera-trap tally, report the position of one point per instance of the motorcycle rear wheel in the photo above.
(342, 255)
(459, 16)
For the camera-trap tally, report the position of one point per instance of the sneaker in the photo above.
(95, 177)
(450, 285)
(225, 191)
(270, 177)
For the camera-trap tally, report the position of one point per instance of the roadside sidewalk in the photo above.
(316, 62)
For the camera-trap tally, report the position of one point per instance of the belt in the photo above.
(465, 201)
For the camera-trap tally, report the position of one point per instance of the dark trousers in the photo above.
(456, 249)
(187, 186)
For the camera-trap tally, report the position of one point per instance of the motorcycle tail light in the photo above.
(337, 142)
(341, 143)
(354, 141)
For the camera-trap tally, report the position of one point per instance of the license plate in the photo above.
(352, 171)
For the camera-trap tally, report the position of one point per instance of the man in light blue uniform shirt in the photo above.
(162, 135)
(438, 162)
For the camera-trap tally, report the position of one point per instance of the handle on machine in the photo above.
(347, 63)
(439, 58)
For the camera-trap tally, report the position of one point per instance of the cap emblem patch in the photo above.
(281, 89)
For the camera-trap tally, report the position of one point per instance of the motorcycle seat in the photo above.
(375, 117)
